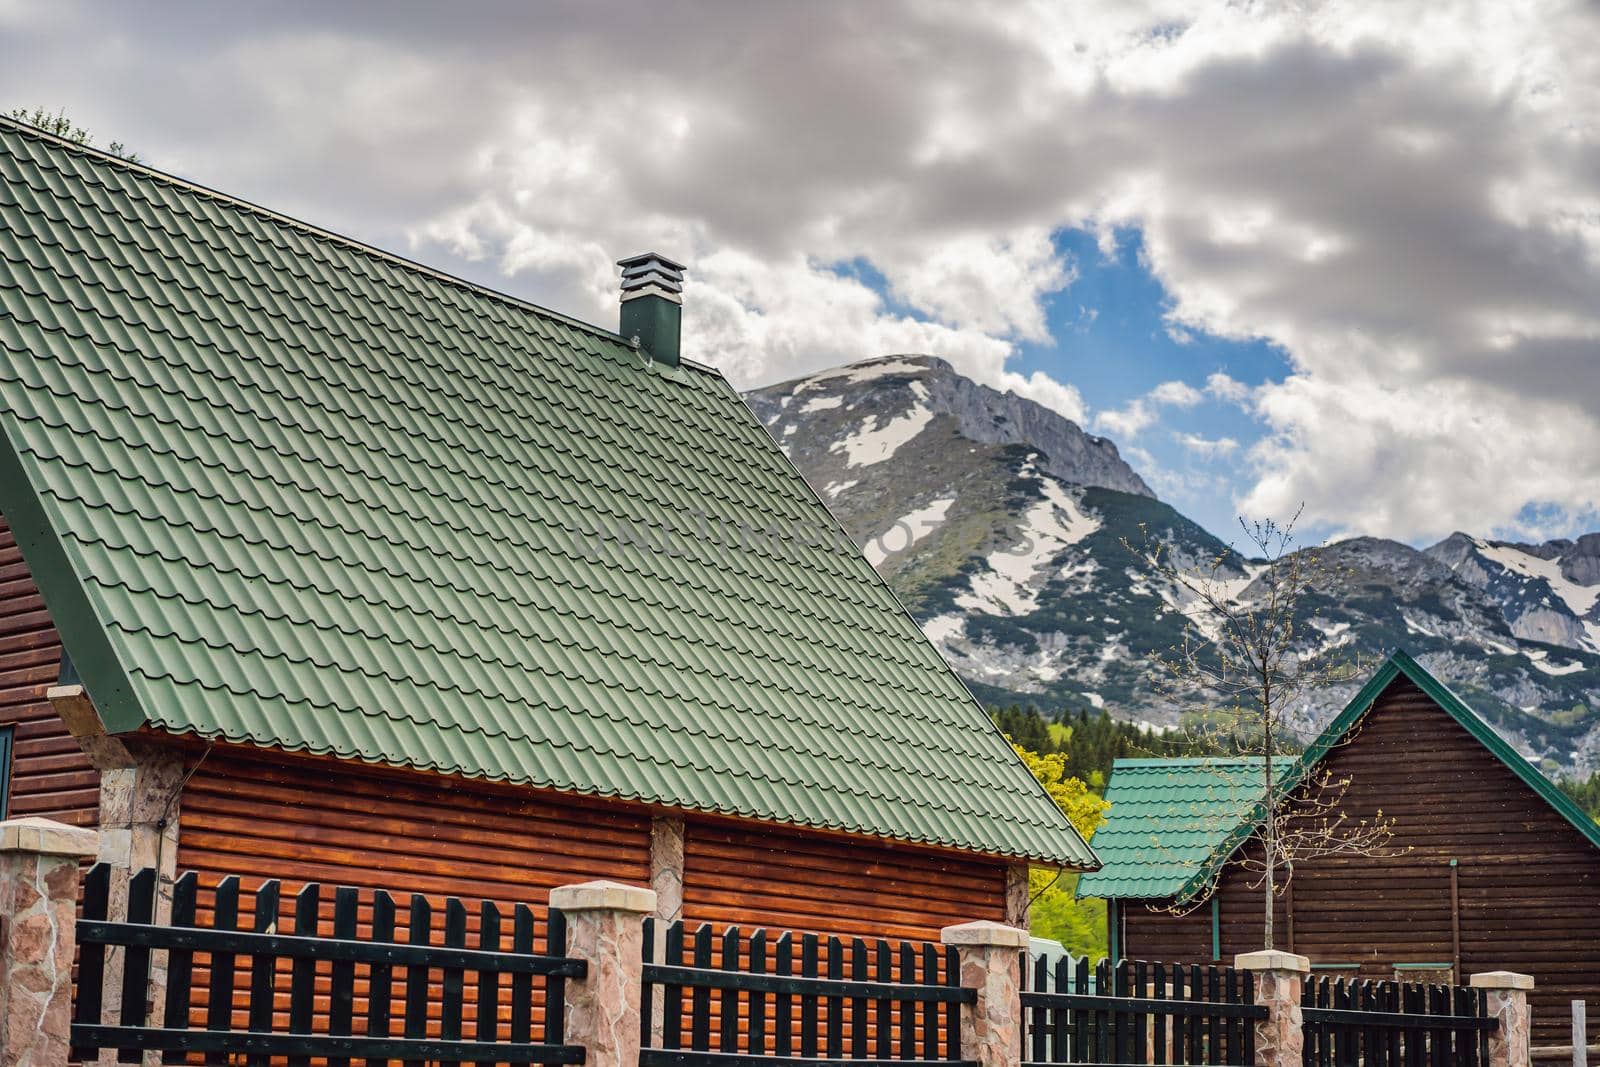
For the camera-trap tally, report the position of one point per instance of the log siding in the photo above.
(50, 776)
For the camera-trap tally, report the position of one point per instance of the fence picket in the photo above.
(672, 995)
(1159, 1037)
(488, 1021)
(180, 962)
(952, 1015)
(452, 979)
(883, 970)
(907, 1009)
(420, 931)
(303, 973)
(219, 999)
(808, 1005)
(263, 967)
(342, 995)
(700, 999)
(380, 981)
(728, 1006)
(835, 1031)
(783, 1003)
(858, 1005)
(758, 997)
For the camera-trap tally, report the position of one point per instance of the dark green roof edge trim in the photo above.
(82, 632)
(1400, 664)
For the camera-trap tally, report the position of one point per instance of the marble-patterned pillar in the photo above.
(1280, 980)
(605, 927)
(1508, 1004)
(39, 862)
(991, 963)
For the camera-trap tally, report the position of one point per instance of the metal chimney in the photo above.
(652, 305)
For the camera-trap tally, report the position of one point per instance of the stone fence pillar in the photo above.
(1279, 979)
(1508, 1003)
(38, 933)
(991, 962)
(605, 926)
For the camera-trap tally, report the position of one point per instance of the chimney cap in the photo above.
(644, 258)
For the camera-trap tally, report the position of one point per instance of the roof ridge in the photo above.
(324, 234)
(1185, 761)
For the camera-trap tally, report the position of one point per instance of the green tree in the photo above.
(63, 127)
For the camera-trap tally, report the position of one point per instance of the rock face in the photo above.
(897, 386)
(1011, 535)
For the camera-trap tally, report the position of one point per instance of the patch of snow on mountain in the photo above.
(1579, 598)
(1010, 583)
(1336, 634)
(833, 489)
(874, 444)
(907, 531)
(943, 628)
(857, 373)
(1540, 659)
(821, 403)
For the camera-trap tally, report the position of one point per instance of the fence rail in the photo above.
(1138, 1013)
(749, 1000)
(1394, 1024)
(332, 967)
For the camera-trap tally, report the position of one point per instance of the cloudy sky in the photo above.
(1340, 254)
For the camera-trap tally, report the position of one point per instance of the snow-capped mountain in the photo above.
(1005, 527)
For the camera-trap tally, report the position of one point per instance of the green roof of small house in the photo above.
(1167, 817)
(283, 489)
(1157, 822)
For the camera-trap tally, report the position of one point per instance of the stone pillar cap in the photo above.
(603, 896)
(1502, 980)
(985, 934)
(1272, 960)
(48, 837)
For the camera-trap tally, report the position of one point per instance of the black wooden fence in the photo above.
(1394, 1024)
(752, 1000)
(1138, 1013)
(342, 989)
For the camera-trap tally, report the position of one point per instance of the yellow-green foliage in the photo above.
(1080, 925)
(1084, 809)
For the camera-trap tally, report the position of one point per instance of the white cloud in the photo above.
(1206, 448)
(1404, 200)
(1229, 390)
(1140, 413)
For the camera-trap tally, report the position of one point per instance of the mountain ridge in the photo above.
(1003, 527)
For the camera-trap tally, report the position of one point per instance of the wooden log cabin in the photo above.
(1490, 866)
(319, 564)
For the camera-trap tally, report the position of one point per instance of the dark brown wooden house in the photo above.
(1495, 868)
(319, 564)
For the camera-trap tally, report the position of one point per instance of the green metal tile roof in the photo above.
(1167, 817)
(280, 488)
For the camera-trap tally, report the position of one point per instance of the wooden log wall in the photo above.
(755, 875)
(1527, 883)
(50, 776)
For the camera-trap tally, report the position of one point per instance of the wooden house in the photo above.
(1490, 866)
(320, 564)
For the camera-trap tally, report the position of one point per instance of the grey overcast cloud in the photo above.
(1401, 199)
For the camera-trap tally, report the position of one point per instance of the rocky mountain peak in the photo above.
(910, 392)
